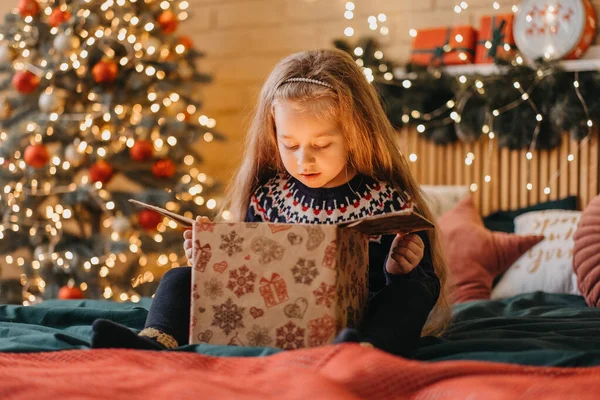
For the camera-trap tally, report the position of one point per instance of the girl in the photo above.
(321, 150)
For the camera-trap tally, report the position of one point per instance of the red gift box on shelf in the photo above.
(444, 46)
(496, 39)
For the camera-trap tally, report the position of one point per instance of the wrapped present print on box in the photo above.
(495, 40)
(444, 46)
(282, 285)
(273, 291)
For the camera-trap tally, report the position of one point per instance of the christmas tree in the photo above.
(99, 103)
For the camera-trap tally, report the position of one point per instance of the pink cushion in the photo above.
(476, 255)
(586, 253)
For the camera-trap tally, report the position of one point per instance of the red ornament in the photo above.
(58, 17)
(168, 21)
(28, 8)
(36, 155)
(25, 82)
(142, 150)
(101, 171)
(164, 168)
(149, 219)
(105, 71)
(185, 41)
(66, 293)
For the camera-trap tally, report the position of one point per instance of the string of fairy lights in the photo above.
(120, 31)
(455, 106)
(377, 23)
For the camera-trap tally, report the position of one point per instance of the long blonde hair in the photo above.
(369, 136)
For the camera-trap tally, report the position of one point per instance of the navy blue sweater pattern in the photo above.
(287, 200)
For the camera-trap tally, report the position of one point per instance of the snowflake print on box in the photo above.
(325, 295)
(267, 293)
(320, 330)
(305, 271)
(351, 317)
(231, 243)
(269, 250)
(259, 337)
(341, 291)
(290, 337)
(354, 290)
(353, 247)
(241, 281)
(273, 291)
(213, 289)
(228, 316)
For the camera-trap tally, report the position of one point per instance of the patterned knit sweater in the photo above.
(285, 199)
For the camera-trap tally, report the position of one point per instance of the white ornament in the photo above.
(554, 29)
(74, 157)
(5, 53)
(64, 42)
(121, 225)
(49, 102)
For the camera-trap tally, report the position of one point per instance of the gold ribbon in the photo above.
(163, 338)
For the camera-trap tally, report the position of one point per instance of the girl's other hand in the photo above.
(188, 246)
(406, 253)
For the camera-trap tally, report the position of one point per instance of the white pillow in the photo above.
(442, 198)
(547, 266)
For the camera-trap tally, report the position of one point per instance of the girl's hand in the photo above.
(406, 253)
(188, 246)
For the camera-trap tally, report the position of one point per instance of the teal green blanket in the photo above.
(67, 324)
(533, 329)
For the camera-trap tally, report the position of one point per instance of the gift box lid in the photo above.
(405, 221)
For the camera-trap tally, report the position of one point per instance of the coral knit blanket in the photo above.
(347, 371)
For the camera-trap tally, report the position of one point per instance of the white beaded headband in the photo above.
(308, 80)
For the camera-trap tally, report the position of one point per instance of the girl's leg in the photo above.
(170, 309)
(394, 319)
(167, 323)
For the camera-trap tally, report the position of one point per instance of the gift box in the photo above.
(495, 39)
(444, 46)
(283, 285)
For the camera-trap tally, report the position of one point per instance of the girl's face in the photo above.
(312, 151)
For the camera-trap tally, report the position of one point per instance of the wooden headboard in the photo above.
(507, 170)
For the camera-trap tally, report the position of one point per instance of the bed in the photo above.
(493, 347)
(531, 345)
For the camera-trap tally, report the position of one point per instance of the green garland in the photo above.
(525, 107)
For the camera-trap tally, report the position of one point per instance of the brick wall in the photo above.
(243, 39)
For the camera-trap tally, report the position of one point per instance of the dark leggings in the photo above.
(393, 320)
(170, 309)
